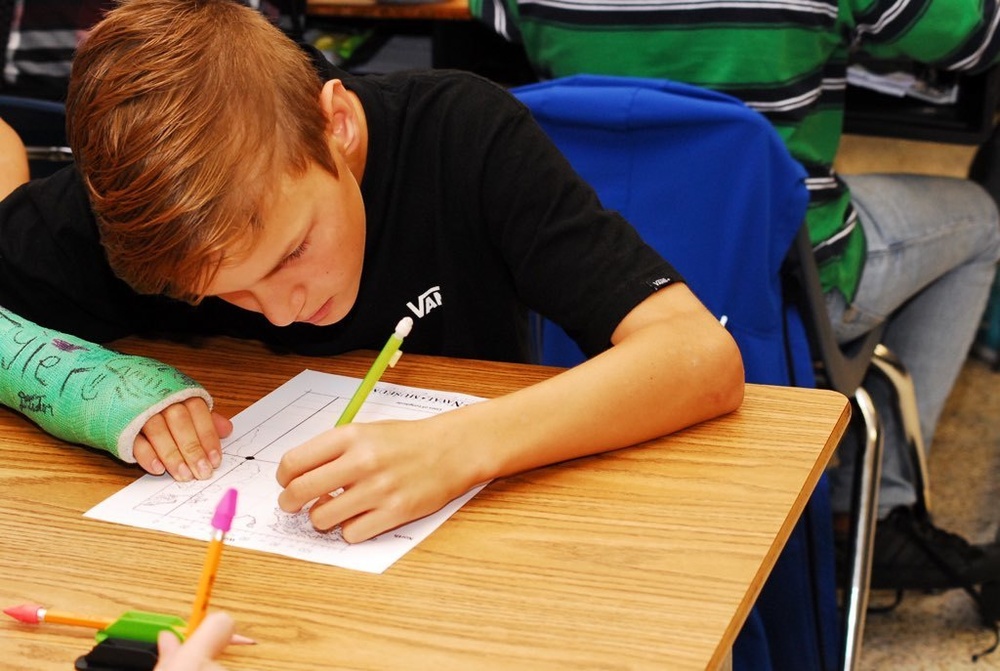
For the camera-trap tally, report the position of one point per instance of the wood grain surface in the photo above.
(648, 557)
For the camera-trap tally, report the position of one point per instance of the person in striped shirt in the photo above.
(917, 251)
(40, 38)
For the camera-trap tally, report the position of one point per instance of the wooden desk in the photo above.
(448, 10)
(647, 557)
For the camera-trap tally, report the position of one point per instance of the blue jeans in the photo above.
(933, 246)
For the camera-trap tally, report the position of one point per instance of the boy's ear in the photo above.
(342, 121)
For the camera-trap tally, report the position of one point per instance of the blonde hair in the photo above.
(183, 114)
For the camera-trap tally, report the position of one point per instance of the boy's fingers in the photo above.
(204, 426)
(324, 479)
(328, 511)
(368, 525)
(223, 425)
(146, 457)
(183, 440)
(314, 453)
(188, 440)
(158, 434)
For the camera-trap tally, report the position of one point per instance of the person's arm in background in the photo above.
(13, 160)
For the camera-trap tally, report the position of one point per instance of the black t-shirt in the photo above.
(473, 219)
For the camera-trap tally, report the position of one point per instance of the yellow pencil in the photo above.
(32, 613)
(221, 522)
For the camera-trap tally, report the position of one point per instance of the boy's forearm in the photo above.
(658, 381)
(81, 392)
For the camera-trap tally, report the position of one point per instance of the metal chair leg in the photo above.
(868, 474)
(906, 399)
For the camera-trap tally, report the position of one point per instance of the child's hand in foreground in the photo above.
(183, 440)
(198, 651)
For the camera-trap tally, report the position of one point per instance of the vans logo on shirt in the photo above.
(426, 302)
(659, 283)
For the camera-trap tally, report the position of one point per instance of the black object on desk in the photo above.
(119, 654)
(968, 120)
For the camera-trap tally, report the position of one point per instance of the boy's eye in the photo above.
(296, 253)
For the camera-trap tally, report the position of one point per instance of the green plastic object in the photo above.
(137, 625)
(81, 392)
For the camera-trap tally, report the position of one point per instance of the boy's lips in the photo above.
(321, 314)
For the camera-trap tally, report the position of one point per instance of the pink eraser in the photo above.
(26, 612)
(225, 511)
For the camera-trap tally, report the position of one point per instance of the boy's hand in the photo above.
(389, 476)
(183, 440)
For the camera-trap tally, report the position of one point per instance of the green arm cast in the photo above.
(81, 392)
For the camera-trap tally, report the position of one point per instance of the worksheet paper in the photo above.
(303, 407)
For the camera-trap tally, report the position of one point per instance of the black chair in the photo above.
(844, 368)
(42, 127)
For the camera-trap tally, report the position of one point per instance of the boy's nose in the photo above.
(278, 310)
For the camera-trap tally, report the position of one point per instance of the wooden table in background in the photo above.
(443, 10)
(644, 558)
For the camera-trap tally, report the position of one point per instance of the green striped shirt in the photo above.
(787, 59)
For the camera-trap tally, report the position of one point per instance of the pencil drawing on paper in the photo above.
(300, 409)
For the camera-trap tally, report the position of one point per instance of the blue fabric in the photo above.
(750, 651)
(709, 183)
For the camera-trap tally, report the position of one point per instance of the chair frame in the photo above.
(844, 367)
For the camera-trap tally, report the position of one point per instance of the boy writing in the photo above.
(227, 184)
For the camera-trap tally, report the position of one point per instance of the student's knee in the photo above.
(987, 214)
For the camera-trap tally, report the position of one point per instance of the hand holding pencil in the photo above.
(367, 478)
(321, 451)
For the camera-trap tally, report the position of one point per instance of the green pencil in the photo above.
(387, 357)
